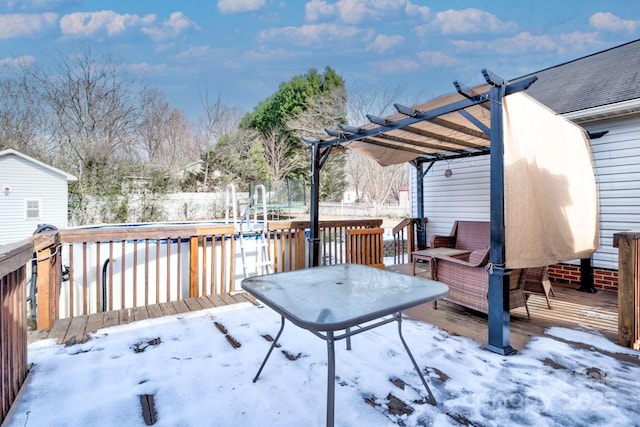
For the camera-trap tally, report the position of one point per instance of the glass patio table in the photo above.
(330, 301)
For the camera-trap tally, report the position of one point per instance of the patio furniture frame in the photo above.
(329, 307)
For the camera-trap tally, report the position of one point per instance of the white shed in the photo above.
(31, 193)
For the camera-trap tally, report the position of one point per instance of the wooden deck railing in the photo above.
(111, 268)
(405, 240)
(287, 241)
(366, 247)
(128, 266)
(13, 328)
(628, 244)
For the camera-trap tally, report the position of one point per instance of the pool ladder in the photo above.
(263, 263)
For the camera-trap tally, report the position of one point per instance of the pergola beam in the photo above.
(460, 128)
(443, 138)
(498, 295)
(407, 143)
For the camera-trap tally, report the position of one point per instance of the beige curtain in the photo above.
(551, 203)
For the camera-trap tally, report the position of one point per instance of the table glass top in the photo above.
(339, 296)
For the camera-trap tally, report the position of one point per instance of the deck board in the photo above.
(76, 332)
(167, 309)
(154, 311)
(570, 308)
(59, 330)
(180, 307)
(77, 329)
(140, 313)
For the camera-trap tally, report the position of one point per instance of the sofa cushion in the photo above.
(479, 257)
(472, 235)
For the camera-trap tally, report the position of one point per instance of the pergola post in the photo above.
(314, 238)
(421, 228)
(499, 317)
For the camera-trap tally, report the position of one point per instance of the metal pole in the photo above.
(586, 277)
(421, 228)
(499, 317)
(273, 345)
(314, 232)
(331, 379)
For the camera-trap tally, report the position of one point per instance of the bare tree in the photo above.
(322, 112)
(379, 184)
(218, 120)
(279, 154)
(21, 115)
(93, 107)
(164, 132)
(94, 103)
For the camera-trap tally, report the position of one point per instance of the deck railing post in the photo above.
(628, 244)
(193, 266)
(48, 279)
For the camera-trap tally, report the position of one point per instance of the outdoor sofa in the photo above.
(467, 276)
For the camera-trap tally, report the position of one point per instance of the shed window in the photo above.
(32, 209)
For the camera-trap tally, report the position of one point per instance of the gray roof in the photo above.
(602, 78)
(11, 152)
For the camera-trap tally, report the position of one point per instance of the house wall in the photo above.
(465, 195)
(617, 160)
(29, 181)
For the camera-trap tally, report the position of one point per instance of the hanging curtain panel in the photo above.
(551, 204)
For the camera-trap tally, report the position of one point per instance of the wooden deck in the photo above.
(569, 308)
(77, 329)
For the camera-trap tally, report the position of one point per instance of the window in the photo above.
(32, 209)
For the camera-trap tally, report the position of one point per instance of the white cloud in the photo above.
(194, 52)
(313, 34)
(355, 11)
(398, 66)
(527, 42)
(25, 25)
(383, 43)
(17, 61)
(144, 68)
(33, 5)
(469, 21)
(270, 55)
(607, 21)
(172, 27)
(230, 64)
(415, 11)
(316, 10)
(437, 59)
(89, 23)
(240, 6)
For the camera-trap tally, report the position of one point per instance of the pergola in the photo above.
(467, 123)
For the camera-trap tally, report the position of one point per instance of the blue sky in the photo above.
(243, 49)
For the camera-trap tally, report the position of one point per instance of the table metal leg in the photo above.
(431, 399)
(331, 379)
(273, 344)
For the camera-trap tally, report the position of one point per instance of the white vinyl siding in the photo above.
(465, 195)
(617, 160)
(30, 181)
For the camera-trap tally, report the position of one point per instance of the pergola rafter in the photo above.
(442, 127)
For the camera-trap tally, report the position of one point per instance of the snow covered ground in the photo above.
(197, 378)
